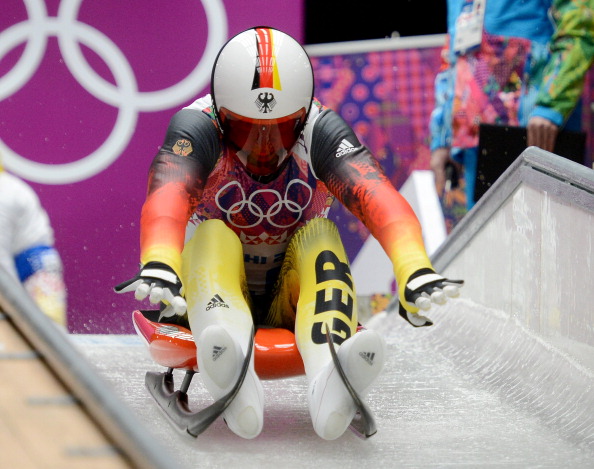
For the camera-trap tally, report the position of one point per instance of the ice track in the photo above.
(476, 389)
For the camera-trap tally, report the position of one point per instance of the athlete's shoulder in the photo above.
(331, 125)
(203, 104)
(320, 120)
(325, 134)
(198, 113)
(328, 132)
(193, 131)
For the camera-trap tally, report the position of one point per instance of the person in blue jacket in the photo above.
(509, 62)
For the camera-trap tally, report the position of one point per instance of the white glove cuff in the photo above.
(161, 275)
(423, 280)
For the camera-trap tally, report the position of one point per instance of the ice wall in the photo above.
(526, 248)
(525, 324)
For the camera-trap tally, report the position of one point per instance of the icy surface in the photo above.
(474, 390)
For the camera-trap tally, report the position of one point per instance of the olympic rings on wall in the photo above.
(124, 96)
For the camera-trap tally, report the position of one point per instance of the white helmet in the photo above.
(262, 89)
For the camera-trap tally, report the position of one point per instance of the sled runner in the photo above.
(275, 357)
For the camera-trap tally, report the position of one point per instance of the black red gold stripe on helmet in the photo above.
(266, 73)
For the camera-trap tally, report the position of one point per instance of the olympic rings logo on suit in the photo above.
(281, 202)
(124, 95)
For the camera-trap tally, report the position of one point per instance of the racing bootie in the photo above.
(220, 359)
(330, 404)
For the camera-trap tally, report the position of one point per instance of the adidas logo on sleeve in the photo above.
(344, 148)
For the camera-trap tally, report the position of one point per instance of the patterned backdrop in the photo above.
(387, 96)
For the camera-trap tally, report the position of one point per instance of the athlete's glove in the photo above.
(423, 289)
(160, 283)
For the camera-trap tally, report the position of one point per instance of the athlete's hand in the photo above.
(425, 287)
(160, 283)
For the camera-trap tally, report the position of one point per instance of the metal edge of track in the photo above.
(116, 420)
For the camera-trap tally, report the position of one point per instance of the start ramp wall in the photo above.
(524, 326)
(526, 248)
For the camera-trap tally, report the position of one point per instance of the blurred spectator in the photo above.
(508, 62)
(27, 246)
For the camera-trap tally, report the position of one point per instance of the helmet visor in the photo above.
(262, 144)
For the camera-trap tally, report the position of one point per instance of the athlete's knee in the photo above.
(211, 241)
(322, 225)
(317, 229)
(215, 231)
(213, 225)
